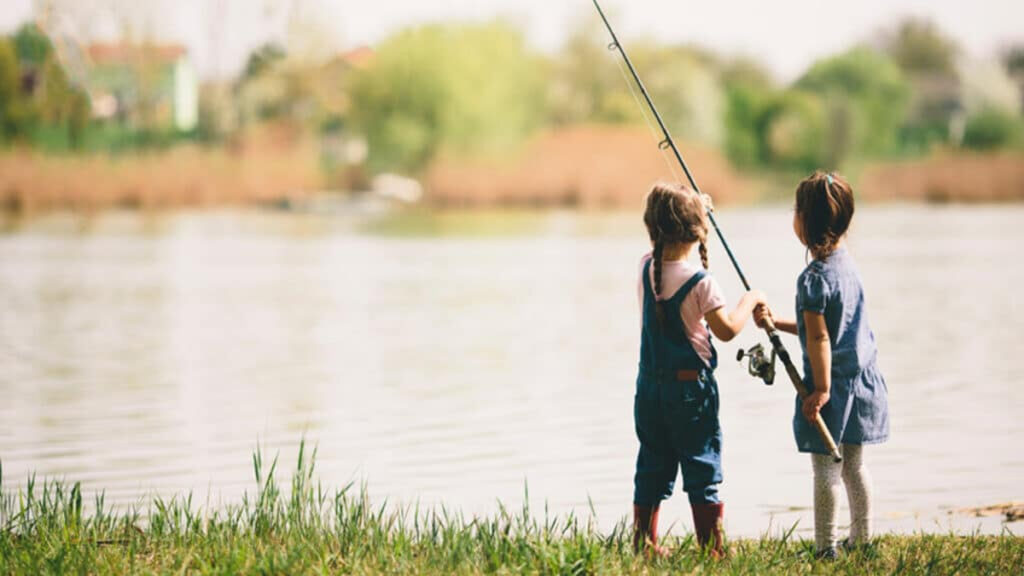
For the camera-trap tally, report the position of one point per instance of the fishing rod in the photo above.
(759, 365)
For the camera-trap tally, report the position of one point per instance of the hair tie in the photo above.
(829, 178)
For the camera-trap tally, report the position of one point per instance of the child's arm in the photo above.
(819, 352)
(725, 326)
(763, 313)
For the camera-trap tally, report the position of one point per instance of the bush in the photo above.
(991, 129)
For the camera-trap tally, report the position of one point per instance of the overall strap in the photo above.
(683, 290)
(687, 287)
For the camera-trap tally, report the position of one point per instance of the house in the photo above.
(146, 86)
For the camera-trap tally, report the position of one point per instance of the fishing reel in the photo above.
(759, 364)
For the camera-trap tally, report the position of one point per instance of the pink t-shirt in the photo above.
(705, 297)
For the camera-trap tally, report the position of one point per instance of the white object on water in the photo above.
(397, 187)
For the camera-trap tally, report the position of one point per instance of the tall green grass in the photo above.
(50, 528)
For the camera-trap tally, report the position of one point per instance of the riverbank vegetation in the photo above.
(470, 109)
(52, 527)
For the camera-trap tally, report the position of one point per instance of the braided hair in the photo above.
(824, 208)
(674, 214)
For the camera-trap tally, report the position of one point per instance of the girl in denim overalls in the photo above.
(676, 404)
(840, 367)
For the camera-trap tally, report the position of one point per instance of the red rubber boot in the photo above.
(645, 530)
(707, 523)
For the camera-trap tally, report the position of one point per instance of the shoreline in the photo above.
(302, 528)
(268, 174)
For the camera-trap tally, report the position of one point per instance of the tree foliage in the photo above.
(587, 85)
(991, 129)
(865, 97)
(262, 59)
(459, 88)
(12, 103)
(919, 47)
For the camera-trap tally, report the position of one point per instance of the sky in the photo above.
(786, 35)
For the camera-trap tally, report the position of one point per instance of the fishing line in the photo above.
(643, 112)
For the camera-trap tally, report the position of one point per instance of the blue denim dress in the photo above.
(676, 407)
(858, 410)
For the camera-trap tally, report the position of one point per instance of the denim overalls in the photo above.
(676, 407)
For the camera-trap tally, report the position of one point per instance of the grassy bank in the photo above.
(52, 528)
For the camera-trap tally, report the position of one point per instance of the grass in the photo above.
(47, 529)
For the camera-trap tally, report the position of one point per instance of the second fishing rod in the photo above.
(759, 366)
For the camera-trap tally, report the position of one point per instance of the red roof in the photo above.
(359, 57)
(123, 53)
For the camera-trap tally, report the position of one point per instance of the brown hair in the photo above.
(824, 209)
(674, 214)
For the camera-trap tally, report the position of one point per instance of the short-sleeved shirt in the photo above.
(705, 297)
(858, 411)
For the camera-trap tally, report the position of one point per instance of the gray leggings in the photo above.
(854, 475)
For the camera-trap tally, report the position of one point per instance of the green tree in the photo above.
(1013, 60)
(928, 59)
(32, 46)
(919, 47)
(12, 102)
(991, 129)
(793, 128)
(750, 94)
(262, 59)
(587, 85)
(865, 97)
(457, 88)
(78, 111)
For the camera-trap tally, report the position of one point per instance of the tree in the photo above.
(33, 47)
(865, 96)
(919, 47)
(456, 88)
(793, 127)
(78, 111)
(585, 84)
(991, 129)
(12, 102)
(750, 93)
(1013, 60)
(262, 59)
(588, 86)
(928, 59)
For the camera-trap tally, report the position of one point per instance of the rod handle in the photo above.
(826, 437)
(794, 377)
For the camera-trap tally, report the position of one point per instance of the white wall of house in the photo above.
(186, 95)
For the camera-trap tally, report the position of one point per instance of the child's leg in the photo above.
(826, 500)
(858, 489)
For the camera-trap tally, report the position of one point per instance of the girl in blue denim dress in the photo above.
(676, 405)
(840, 360)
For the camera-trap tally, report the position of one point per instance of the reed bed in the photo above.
(269, 166)
(51, 528)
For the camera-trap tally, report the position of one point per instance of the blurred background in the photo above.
(409, 232)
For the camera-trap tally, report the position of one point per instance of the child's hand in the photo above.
(708, 204)
(813, 404)
(763, 315)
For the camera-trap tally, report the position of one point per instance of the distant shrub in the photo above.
(992, 129)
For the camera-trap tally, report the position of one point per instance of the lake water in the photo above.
(149, 355)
